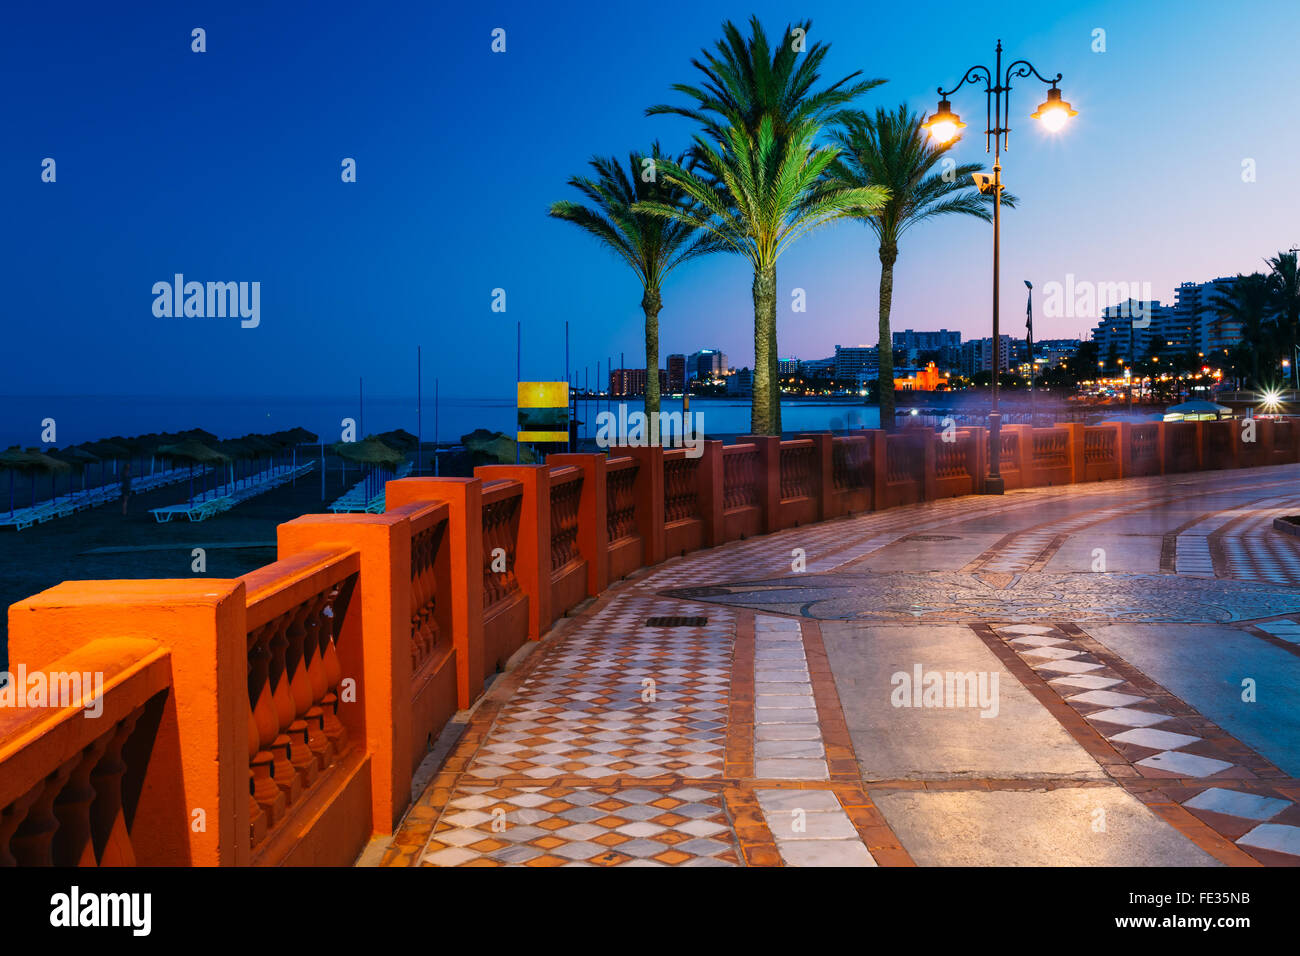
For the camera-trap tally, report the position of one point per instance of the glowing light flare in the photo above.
(1054, 112)
(945, 125)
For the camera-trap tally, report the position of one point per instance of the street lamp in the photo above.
(945, 126)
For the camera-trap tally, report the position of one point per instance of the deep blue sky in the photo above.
(225, 166)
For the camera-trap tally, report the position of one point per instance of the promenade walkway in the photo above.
(1092, 674)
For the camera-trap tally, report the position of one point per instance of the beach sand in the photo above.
(43, 555)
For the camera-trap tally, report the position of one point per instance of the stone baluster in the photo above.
(107, 816)
(72, 841)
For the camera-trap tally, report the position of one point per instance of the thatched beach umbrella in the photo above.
(192, 451)
(372, 452)
(399, 438)
(32, 461)
(77, 459)
(14, 460)
(106, 451)
(293, 438)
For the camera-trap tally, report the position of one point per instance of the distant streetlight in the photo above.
(945, 126)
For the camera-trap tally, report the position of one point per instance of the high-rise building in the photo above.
(855, 361)
(742, 383)
(676, 384)
(707, 365)
(1128, 330)
(787, 366)
(629, 382)
(626, 382)
(1198, 315)
(977, 354)
(910, 345)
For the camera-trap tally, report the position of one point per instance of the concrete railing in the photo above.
(278, 718)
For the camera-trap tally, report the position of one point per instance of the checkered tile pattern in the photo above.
(565, 826)
(1158, 743)
(619, 699)
(1264, 821)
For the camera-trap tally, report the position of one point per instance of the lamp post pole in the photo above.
(945, 125)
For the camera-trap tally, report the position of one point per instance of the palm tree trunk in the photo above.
(885, 384)
(773, 363)
(651, 303)
(761, 417)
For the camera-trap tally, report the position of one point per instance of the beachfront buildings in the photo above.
(707, 365)
(977, 355)
(1129, 331)
(1210, 330)
(675, 384)
(912, 347)
(857, 362)
(928, 379)
(740, 384)
(629, 382)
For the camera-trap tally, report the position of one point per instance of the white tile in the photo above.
(1089, 681)
(1274, 836)
(789, 748)
(1184, 764)
(1039, 641)
(825, 853)
(1128, 717)
(1155, 739)
(1051, 653)
(1106, 698)
(785, 801)
(812, 826)
(790, 768)
(1067, 667)
(452, 856)
(1237, 803)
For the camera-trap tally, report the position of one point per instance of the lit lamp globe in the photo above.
(945, 125)
(1055, 112)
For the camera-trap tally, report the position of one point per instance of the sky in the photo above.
(226, 165)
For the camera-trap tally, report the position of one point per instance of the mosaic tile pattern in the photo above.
(1162, 739)
(619, 699)
(565, 826)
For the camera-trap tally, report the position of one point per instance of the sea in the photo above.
(72, 419)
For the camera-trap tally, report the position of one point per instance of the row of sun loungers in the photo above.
(355, 500)
(204, 506)
(90, 498)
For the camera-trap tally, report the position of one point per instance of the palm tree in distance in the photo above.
(891, 149)
(1247, 302)
(1284, 289)
(651, 245)
(759, 185)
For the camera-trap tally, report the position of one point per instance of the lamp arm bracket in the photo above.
(970, 76)
(1025, 68)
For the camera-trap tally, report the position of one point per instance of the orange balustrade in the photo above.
(278, 718)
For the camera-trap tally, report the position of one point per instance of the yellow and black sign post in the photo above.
(543, 412)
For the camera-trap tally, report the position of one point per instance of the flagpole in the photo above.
(1029, 325)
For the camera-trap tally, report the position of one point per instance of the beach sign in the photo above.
(543, 412)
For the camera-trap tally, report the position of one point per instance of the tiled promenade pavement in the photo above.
(1103, 674)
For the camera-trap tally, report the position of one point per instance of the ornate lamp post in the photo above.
(946, 125)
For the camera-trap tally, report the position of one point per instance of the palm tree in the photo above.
(1284, 287)
(1248, 302)
(761, 186)
(891, 149)
(651, 245)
